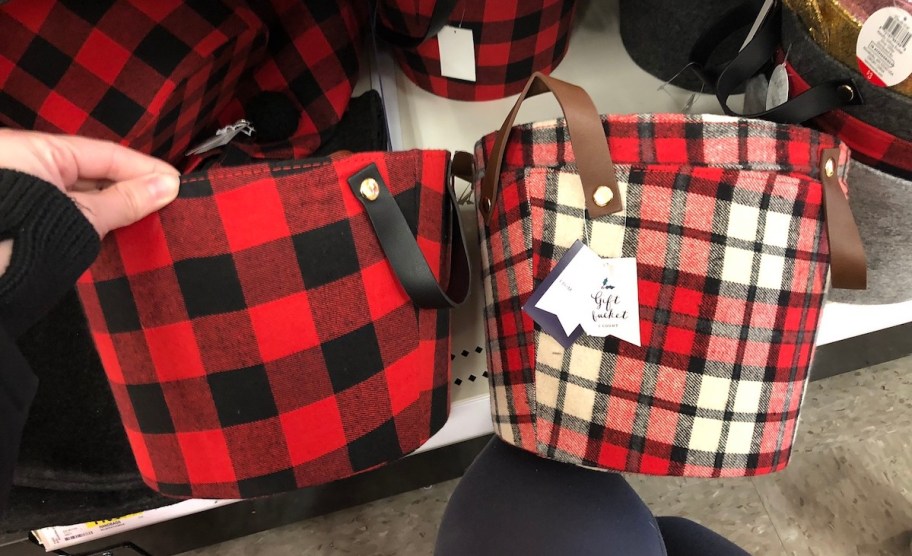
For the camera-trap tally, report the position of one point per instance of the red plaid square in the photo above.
(725, 219)
(258, 360)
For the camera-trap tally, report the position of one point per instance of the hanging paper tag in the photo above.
(457, 53)
(778, 91)
(585, 293)
(613, 307)
(883, 49)
(556, 292)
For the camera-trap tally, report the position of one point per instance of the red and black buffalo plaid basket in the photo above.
(513, 39)
(280, 324)
(734, 225)
(150, 75)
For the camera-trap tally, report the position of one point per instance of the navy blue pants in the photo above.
(513, 502)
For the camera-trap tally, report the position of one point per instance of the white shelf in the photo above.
(597, 61)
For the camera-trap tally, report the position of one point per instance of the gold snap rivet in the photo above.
(847, 92)
(829, 168)
(370, 189)
(486, 205)
(602, 195)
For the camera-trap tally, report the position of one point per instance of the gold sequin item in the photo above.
(835, 24)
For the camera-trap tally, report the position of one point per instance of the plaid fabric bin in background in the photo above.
(513, 39)
(312, 63)
(725, 218)
(255, 335)
(149, 75)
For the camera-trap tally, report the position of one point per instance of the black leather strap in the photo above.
(401, 249)
(439, 17)
(757, 55)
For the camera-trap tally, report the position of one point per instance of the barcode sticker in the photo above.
(897, 30)
(884, 47)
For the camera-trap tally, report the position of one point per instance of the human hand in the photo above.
(112, 185)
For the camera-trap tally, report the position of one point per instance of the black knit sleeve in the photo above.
(53, 244)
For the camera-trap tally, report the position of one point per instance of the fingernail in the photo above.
(163, 187)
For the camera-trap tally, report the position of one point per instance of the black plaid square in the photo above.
(280, 481)
(152, 412)
(118, 112)
(118, 305)
(92, 12)
(210, 285)
(326, 254)
(376, 447)
(242, 395)
(162, 50)
(353, 358)
(44, 62)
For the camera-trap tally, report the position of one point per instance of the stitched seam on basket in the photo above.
(266, 170)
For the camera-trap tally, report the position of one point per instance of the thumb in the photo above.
(125, 202)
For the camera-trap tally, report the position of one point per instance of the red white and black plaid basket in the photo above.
(260, 333)
(150, 75)
(726, 220)
(513, 39)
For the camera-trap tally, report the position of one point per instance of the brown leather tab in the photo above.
(848, 267)
(587, 136)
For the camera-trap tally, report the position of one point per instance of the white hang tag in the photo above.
(569, 288)
(884, 47)
(778, 91)
(612, 307)
(761, 17)
(457, 53)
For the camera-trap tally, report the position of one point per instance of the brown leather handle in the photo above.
(587, 136)
(848, 267)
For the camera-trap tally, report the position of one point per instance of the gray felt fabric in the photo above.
(659, 34)
(883, 108)
(882, 205)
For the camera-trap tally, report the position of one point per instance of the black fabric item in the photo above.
(684, 537)
(362, 128)
(273, 115)
(73, 439)
(513, 502)
(883, 108)
(31, 508)
(53, 244)
(755, 57)
(658, 34)
(17, 388)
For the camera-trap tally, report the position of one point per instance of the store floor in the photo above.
(847, 491)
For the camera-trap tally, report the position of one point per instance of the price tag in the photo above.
(883, 49)
(587, 294)
(613, 307)
(778, 91)
(457, 53)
